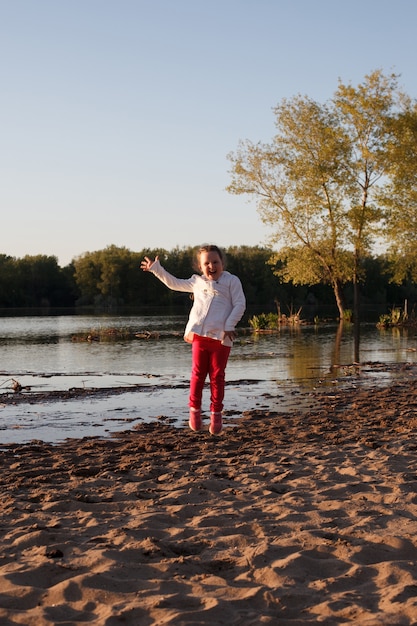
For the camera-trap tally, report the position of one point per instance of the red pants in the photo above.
(209, 357)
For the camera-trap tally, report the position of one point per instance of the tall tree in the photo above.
(317, 183)
(366, 113)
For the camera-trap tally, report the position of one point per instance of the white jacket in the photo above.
(218, 304)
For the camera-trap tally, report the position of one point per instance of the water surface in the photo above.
(264, 370)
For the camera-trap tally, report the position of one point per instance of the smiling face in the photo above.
(211, 265)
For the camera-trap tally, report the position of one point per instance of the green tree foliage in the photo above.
(318, 182)
(104, 277)
(400, 195)
(8, 282)
(34, 281)
(111, 279)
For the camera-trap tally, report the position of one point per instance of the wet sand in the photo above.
(302, 517)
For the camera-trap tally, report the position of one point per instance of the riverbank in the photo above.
(298, 517)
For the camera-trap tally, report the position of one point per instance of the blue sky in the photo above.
(117, 115)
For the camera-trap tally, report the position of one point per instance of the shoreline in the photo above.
(95, 410)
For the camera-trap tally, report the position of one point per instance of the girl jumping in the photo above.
(219, 304)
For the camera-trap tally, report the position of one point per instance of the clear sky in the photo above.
(117, 115)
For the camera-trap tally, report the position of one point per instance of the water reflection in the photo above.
(44, 346)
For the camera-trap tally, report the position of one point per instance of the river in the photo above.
(52, 353)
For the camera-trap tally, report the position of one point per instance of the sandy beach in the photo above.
(303, 517)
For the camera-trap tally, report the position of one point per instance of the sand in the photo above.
(304, 517)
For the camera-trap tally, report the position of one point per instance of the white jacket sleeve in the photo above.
(238, 303)
(170, 281)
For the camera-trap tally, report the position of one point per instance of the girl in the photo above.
(219, 304)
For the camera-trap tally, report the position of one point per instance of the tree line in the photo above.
(111, 280)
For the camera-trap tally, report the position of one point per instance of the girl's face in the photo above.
(211, 265)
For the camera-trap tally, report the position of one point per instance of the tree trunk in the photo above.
(340, 301)
(356, 318)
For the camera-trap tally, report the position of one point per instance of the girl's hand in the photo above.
(147, 263)
(231, 334)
